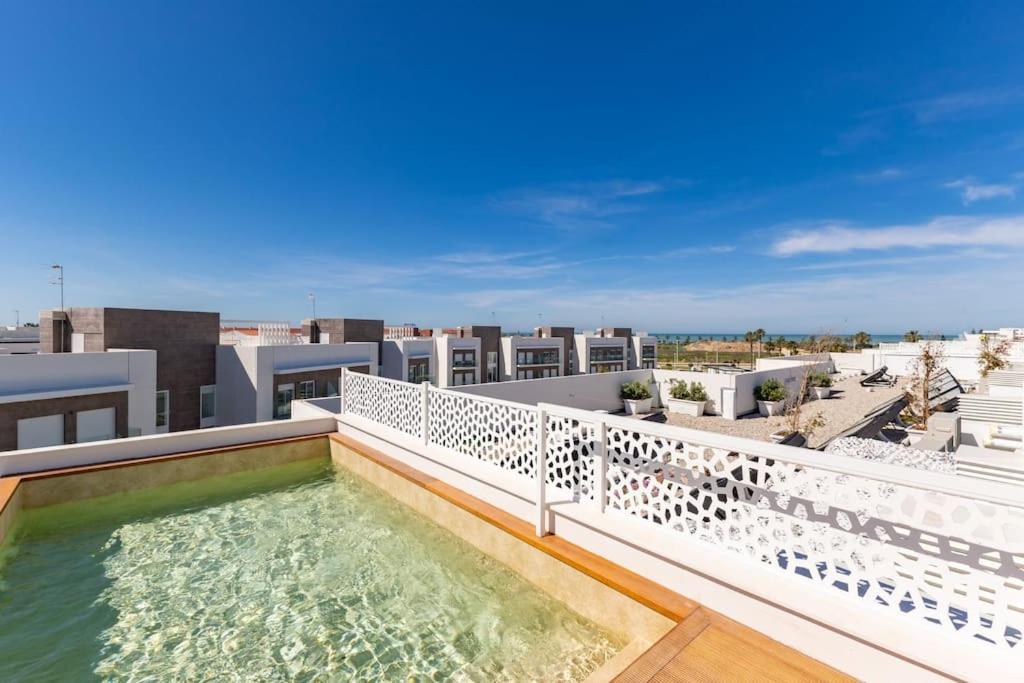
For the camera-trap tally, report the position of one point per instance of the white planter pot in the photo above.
(822, 392)
(770, 408)
(684, 407)
(778, 436)
(637, 407)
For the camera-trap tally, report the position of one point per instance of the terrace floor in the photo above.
(848, 404)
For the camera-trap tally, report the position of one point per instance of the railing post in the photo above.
(425, 407)
(541, 471)
(601, 465)
(341, 390)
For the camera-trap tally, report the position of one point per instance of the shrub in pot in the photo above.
(821, 384)
(636, 398)
(689, 399)
(771, 397)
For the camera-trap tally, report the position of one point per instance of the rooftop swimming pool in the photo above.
(297, 572)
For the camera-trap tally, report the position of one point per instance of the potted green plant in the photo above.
(636, 398)
(687, 399)
(771, 397)
(821, 384)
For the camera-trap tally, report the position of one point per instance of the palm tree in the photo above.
(912, 336)
(759, 333)
(750, 338)
(861, 340)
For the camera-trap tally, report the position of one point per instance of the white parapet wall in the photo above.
(75, 455)
(588, 392)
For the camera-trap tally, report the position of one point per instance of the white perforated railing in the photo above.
(940, 549)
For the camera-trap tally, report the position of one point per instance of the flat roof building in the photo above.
(186, 353)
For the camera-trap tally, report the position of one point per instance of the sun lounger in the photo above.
(879, 378)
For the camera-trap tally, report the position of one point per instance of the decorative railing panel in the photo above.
(931, 555)
(952, 561)
(398, 405)
(498, 432)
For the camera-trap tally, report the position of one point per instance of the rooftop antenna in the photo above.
(494, 318)
(17, 318)
(60, 281)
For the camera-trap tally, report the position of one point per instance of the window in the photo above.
(464, 359)
(307, 389)
(419, 373)
(283, 401)
(163, 410)
(332, 388)
(208, 405)
(492, 366)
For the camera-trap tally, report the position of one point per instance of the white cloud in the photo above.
(945, 231)
(583, 205)
(972, 191)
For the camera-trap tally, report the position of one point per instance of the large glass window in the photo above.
(307, 389)
(163, 410)
(492, 366)
(208, 405)
(419, 373)
(283, 401)
(538, 357)
(603, 354)
(464, 359)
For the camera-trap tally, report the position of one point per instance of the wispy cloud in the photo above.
(683, 252)
(854, 138)
(944, 231)
(583, 205)
(958, 104)
(888, 262)
(971, 190)
(876, 124)
(881, 175)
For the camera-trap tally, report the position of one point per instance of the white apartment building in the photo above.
(457, 360)
(531, 357)
(596, 354)
(259, 383)
(410, 359)
(50, 399)
(643, 352)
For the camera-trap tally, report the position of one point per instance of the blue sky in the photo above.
(669, 167)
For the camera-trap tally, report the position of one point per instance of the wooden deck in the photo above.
(709, 647)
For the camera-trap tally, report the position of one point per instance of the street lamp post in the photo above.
(312, 300)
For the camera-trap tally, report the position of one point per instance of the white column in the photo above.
(541, 471)
(601, 465)
(425, 408)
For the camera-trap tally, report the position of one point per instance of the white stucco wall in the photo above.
(444, 346)
(587, 392)
(718, 386)
(245, 374)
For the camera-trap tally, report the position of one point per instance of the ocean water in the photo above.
(738, 336)
(293, 573)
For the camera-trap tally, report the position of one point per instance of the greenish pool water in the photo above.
(292, 573)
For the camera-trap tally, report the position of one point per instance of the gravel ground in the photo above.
(848, 404)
